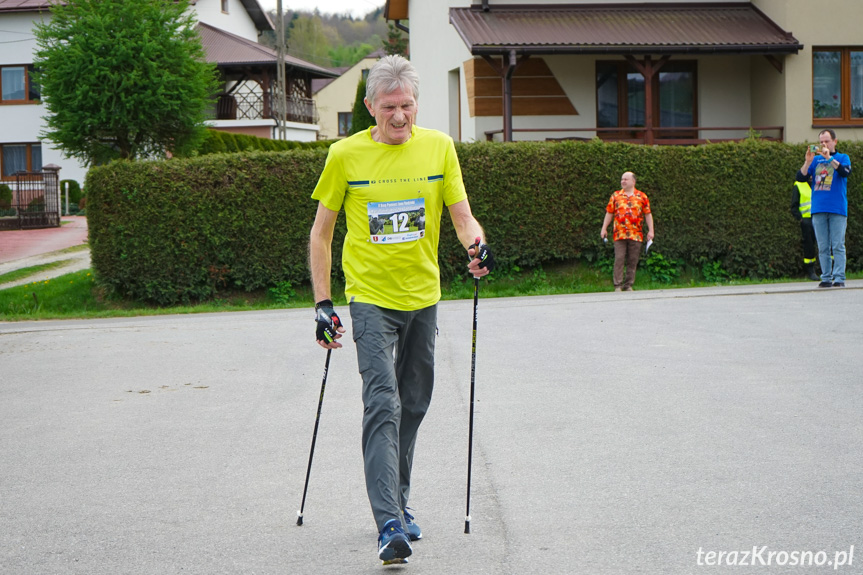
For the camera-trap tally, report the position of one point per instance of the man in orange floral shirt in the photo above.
(629, 208)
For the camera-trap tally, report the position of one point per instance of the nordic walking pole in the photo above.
(472, 389)
(314, 438)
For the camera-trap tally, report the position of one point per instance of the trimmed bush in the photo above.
(219, 142)
(180, 230)
(37, 204)
(74, 191)
(726, 202)
(5, 197)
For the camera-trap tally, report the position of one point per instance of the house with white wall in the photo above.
(675, 72)
(20, 110)
(335, 97)
(230, 30)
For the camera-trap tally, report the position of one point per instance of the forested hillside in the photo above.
(333, 40)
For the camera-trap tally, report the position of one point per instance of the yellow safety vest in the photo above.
(805, 199)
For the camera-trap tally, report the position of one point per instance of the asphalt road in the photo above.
(615, 434)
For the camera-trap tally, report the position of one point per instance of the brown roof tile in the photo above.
(621, 28)
(224, 48)
(24, 5)
(253, 7)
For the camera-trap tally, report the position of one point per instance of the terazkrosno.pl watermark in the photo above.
(764, 557)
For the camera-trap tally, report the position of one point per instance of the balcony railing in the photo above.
(676, 136)
(253, 106)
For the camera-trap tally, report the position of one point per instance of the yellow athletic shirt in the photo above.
(393, 198)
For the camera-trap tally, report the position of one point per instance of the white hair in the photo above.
(389, 74)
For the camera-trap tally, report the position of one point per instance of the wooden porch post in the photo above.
(648, 69)
(509, 69)
(266, 85)
(506, 71)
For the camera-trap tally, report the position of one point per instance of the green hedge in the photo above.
(727, 202)
(180, 230)
(219, 142)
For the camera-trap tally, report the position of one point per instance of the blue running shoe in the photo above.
(393, 544)
(414, 532)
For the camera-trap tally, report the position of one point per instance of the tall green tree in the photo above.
(308, 40)
(395, 44)
(361, 119)
(123, 79)
(349, 55)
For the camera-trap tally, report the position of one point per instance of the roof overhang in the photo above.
(396, 10)
(258, 15)
(25, 5)
(726, 28)
(228, 50)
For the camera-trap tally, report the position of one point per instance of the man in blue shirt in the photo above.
(829, 170)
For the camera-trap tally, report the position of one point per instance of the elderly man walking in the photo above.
(394, 171)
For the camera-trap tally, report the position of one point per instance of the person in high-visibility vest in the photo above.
(801, 209)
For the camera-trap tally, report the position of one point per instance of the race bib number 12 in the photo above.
(396, 222)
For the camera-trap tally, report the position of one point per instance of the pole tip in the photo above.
(299, 518)
(467, 524)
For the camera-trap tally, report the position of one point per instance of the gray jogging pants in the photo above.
(395, 354)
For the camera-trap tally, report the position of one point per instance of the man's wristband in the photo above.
(323, 303)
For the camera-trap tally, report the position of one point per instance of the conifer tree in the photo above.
(360, 117)
(395, 44)
(123, 79)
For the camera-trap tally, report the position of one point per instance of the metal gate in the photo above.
(38, 199)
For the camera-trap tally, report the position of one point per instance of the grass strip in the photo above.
(71, 250)
(16, 275)
(77, 295)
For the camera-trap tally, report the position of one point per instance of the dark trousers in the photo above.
(809, 246)
(395, 355)
(626, 252)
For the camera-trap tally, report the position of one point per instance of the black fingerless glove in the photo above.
(328, 321)
(484, 255)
